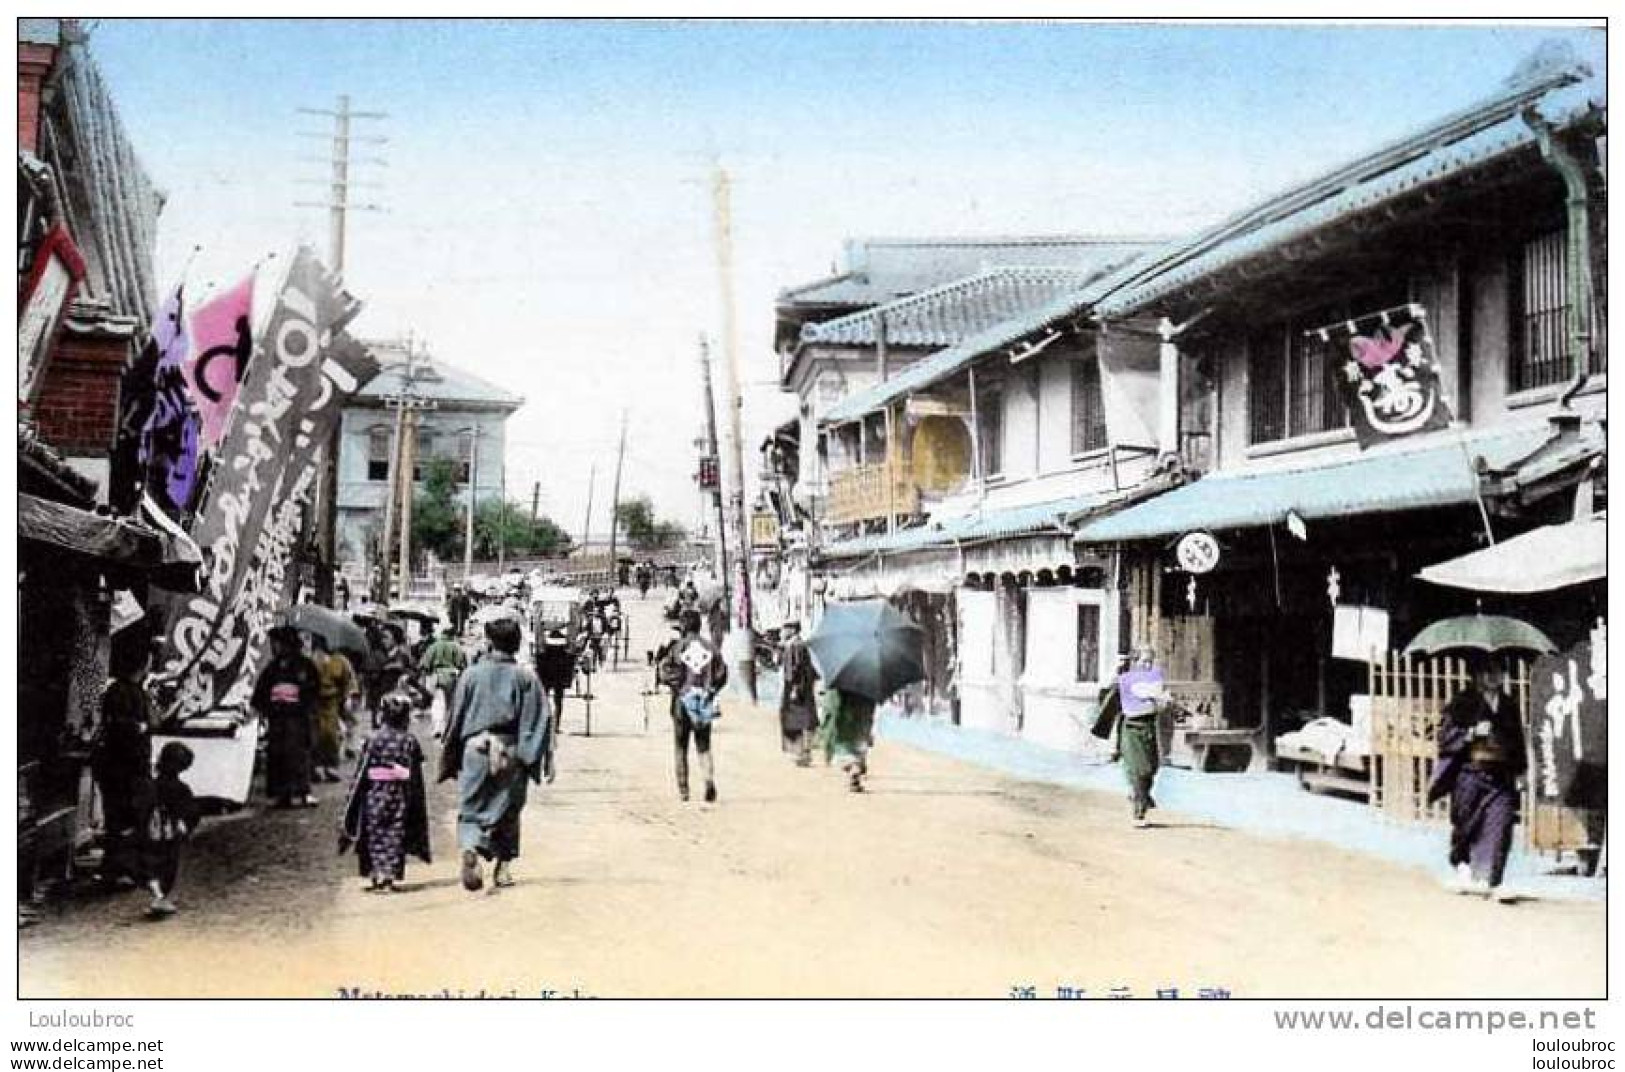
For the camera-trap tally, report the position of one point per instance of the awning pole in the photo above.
(1478, 485)
(976, 439)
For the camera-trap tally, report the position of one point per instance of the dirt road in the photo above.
(945, 880)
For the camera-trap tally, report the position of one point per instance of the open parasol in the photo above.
(867, 647)
(1479, 632)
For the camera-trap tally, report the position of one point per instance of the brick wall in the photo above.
(33, 65)
(78, 403)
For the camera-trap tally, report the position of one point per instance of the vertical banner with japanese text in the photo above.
(1568, 715)
(302, 369)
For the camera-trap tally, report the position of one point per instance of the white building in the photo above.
(460, 413)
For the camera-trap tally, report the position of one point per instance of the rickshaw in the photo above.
(555, 607)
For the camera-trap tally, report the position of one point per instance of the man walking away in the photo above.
(442, 664)
(498, 737)
(698, 674)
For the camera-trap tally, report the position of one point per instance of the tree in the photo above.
(636, 517)
(511, 528)
(437, 517)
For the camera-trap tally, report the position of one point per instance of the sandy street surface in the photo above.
(944, 880)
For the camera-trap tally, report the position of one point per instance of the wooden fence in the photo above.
(1408, 696)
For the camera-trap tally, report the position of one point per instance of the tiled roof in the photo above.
(1387, 479)
(939, 366)
(1488, 131)
(438, 381)
(945, 315)
(879, 270)
(112, 203)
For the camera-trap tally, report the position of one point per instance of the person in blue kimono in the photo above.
(1482, 754)
(496, 742)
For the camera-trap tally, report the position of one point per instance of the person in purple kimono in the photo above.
(1482, 754)
(387, 815)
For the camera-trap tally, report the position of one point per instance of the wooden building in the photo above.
(1488, 225)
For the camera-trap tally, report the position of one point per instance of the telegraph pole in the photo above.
(535, 501)
(473, 491)
(409, 463)
(586, 526)
(744, 651)
(405, 403)
(615, 501)
(338, 206)
(387, 543)
(710, 400)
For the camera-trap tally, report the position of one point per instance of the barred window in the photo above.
(1540, 297)
(1542, 314)
(1316, 401)
(1088, 668)
(1266, 387)
(1293, 386)
(1088, 407)
(990, 427)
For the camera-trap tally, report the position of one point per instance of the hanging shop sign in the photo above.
(764, 529)
(1389, 373)
(1197, 552)
(1568, 701)
(56, 272)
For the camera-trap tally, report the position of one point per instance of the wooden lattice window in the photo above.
(1088, 407)
(1266, 387)
(1541, 314)
(1542, 355)
(990, 427)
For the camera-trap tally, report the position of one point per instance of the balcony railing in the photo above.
(871, 491)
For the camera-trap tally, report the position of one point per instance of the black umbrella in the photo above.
(868, 648)
(337, 629)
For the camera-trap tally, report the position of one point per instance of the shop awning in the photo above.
(976, 526)
(108, 539)
(1386, 479)
(1554, 556)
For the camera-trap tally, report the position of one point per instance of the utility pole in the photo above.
(535, 502)
(409, 464)
(338, 205)
(398, 502)
(744, 650)
(502, 524)
(387, 543)
(586, 526)
(721, 556)
(615, 501)
(473, 492)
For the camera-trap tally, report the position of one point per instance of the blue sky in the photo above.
(548, 218)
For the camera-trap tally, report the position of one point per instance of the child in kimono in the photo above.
(386, 816)
(170, 817)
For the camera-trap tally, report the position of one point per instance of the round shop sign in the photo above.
(1198, 552)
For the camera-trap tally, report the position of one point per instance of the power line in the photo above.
(338, 181)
